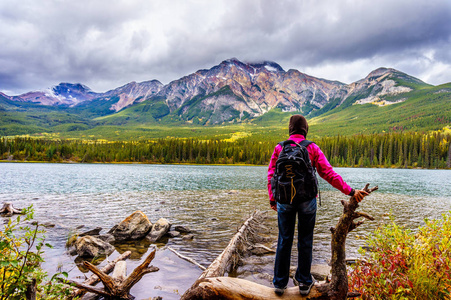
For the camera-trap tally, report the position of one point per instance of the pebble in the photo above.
(173, 233)
(188, 237)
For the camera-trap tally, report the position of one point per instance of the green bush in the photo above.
(406, 265)
(21, 250)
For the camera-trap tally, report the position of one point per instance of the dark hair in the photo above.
(298, 125)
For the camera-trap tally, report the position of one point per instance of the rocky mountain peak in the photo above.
(154, 85)
(132, 92)
(268, 66)
(382, 74)
(71, 90)
(75, 87)
(234, 91)
(253, 67)
(379, 72)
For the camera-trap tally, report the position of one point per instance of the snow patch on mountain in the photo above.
(271, 68)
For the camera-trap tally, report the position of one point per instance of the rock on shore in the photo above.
(134, 227)
(159, 229)
(89, 246)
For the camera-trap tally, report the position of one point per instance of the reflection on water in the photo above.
(211, 200)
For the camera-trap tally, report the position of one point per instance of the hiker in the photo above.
(305, 209)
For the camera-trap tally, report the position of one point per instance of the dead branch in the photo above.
(86, 287)
(358, 214)
(228, 288)
(139, 272)
(118, 286)
(187, 258)
(228, 257)
(338, 287)
(105, 278)
(94, 279)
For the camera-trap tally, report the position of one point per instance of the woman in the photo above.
(306, 212)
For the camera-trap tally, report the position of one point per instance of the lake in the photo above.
(211, 200)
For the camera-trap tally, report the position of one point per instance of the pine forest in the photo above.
(389, 150)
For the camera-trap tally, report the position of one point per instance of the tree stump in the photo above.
(338, 287)
(94, 279)
(117, 287)
(8, 209)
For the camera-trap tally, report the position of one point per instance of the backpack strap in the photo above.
(304, 143)
(283, 143)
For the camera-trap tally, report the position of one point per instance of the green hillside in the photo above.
(22, 118)
(425, 109)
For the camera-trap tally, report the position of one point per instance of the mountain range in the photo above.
(231, 92)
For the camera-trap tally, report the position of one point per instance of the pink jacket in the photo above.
(319, 161)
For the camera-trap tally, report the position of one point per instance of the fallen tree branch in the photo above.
(228, 257)
(262, 248)
(105, 278)
(85, 287)
(118, 286)
(228, 288)
(187, 258)
(94, 279)
(139, 272)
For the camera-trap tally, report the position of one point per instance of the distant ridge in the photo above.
(233, 92)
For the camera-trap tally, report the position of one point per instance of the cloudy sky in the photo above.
(105, 44)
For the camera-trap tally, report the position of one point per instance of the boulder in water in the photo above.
(95, 231)
(173, 233)
(134, 227)
(182, 229)
(159, 229)
(89, 246)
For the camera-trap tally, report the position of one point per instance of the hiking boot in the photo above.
(304, 289)
(279, 291)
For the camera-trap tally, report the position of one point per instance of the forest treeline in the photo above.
(402, 150)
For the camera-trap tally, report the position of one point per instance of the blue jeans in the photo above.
(306, 212)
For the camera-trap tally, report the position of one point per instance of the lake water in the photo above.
(211, 200)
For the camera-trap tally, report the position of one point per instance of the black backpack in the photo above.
(294, 179)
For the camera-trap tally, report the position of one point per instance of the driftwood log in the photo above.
(229, 257)
(229, 288)
(94, 279)
(8, 209)
(187, 258)
(226, 288)
(118, 285)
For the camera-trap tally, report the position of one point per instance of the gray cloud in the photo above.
(105, 44)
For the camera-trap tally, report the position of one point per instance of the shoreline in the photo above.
(194, 164)
(126, 163)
